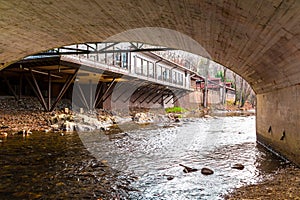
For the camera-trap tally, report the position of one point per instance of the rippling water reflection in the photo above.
(153, 154)
(51, 166)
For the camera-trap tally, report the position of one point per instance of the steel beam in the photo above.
(184, 93)
(109, 93)
(153, 97)
(82, 96)
(10, 88)
(149, 95)
(38, 91)
(105, 92)
(144, 91)
(98, 92)
(53, 53)
(49, 90)
(64, 89)
(34, 90)
(91, 94)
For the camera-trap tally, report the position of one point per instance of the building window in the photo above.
(150, 69)
(124, 60)
(158, 72)
(166, 75)
(174, 77)
(138, 65)
(145, 67)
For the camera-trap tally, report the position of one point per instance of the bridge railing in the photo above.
(144, 64)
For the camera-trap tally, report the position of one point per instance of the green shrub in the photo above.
(175, 109)
(229, 102)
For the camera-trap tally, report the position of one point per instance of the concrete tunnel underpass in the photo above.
(258, 40)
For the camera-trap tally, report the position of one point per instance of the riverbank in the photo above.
(284, 184)
(26, 115)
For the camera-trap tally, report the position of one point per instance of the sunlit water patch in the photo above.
(153, 153)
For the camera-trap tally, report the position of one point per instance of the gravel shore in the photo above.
(285, 184)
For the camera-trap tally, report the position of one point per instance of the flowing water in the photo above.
(52, 166)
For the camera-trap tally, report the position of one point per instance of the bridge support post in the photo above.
(278, 121)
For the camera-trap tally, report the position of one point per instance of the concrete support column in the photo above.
(278, 121)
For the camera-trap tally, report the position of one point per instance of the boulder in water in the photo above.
(206, 171)
(238, 166)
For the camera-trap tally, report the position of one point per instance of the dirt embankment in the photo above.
(283, 185)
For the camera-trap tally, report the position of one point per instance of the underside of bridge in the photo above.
(257, 39)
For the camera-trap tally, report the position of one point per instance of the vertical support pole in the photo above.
(205, 96)
(91, 94)
(97, 55)
(49, 90)
(105, 55)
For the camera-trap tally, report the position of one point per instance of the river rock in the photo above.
(206, 171)
(188, 169)
(3, 134)
(238, 166)
(142, 118)
(84, 127)
(69, 126)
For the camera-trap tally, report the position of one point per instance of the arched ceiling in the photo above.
(258, 39)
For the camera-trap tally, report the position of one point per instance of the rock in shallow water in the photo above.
(188, 169)
(238, 166)
(206, 171)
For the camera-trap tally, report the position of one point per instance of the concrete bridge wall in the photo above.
(278, 121)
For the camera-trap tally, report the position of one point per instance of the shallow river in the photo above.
(52, 166)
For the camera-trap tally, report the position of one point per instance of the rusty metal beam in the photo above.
(10, 88)
(98, 92)
(91, 104)
(39, 93)
(109, 93)
(126, 85)
(149, 95)
(160, 98)
(79, 96)
(82, 95)
(105, 92)
(34, 90)
(183, 93)
(64, 89)
(173, 96)
(137, 85)
(49, 90)
(153, 97)
(144, 91)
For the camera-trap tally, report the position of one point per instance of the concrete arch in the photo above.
(260, 40)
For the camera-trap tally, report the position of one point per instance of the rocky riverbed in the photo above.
(26, 115)
(284, 184)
